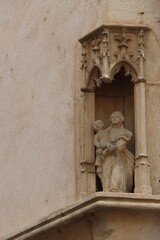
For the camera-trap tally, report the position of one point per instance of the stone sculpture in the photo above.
(99, 128)
(114, 162)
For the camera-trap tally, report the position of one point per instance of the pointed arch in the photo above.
(129, 69)
(94, 74)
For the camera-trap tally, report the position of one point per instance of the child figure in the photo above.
(99, 128)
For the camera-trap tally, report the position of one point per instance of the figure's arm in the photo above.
(121, 144)
(96, 141)
(116, 146)
(111, 147)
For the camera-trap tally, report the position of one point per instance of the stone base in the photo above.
(100, 216)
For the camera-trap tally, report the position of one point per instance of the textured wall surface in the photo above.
(39, 89)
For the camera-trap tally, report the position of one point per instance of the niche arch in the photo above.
(117, 96)
(128, 67)
(113, 63)
(94, 75)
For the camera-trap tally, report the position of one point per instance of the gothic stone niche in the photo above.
(113, 66)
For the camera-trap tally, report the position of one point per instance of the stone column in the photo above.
(88, 182)
(142, 167)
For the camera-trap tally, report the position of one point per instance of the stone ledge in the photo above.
(91, 34)
(89, 205)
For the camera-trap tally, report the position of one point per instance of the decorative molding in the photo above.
(87, 89)
(140, 80)
(81, 209)
(111, 46)
(113, 27)
(83, 54)
(141, 52)
(123, 40)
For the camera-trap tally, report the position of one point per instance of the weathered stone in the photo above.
(42, 156)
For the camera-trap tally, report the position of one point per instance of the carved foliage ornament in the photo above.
(111, 47)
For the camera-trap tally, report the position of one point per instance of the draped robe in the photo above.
(118, 164)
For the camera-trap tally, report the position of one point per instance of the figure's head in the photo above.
(116, 118)
(98, 125)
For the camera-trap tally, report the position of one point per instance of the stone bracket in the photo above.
(88, 206)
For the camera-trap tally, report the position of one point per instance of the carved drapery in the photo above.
(104, 52)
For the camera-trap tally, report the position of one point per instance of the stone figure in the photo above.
(114, 162)
(99, 128)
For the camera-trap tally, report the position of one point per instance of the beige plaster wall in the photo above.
(39, 92)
